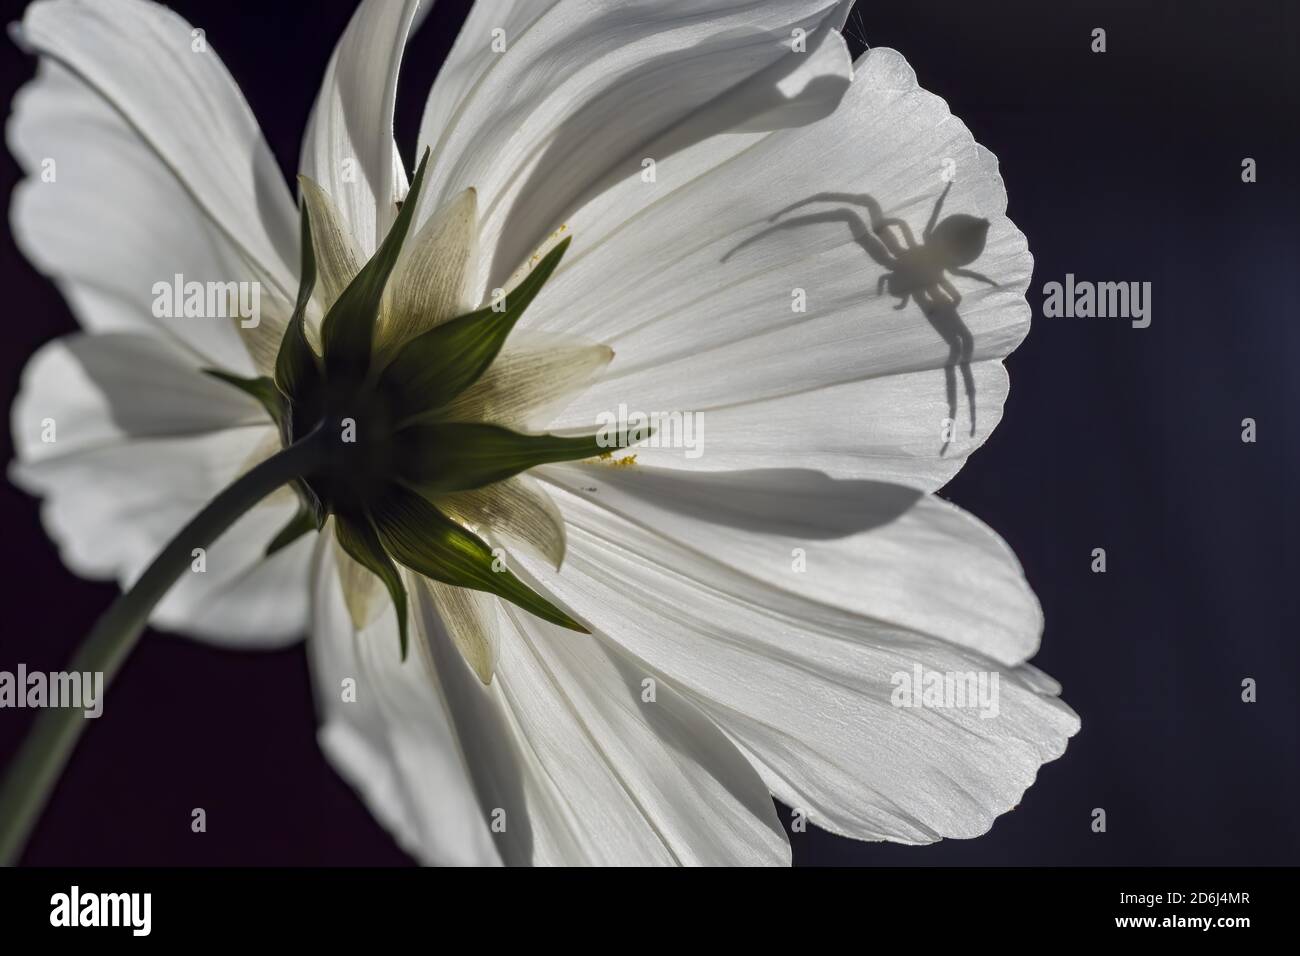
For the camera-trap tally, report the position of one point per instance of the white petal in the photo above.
(804, 688)
(584, 772)
(142, 441)
(244, 599)
(184, 105)
(348, 147)
(72, 380)
(713, 322)
(885, 552)
(385, 728)
(471, 57)
(115, 220)
(886, 429)
(158, 162)
(583, 92)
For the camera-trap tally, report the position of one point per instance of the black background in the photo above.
(1122, 166)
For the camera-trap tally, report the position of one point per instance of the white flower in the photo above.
(711, 169)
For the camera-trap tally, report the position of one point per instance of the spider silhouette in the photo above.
(914, 271)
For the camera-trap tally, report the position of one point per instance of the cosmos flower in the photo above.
(702, 211)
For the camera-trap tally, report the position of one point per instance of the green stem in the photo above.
(35, 770)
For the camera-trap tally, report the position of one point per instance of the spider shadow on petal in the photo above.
(915, 272)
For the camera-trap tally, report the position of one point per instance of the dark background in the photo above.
(1122, 166)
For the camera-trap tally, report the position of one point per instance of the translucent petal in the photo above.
(363, 593)
(338, 260)
(531, 381)
(516, 511)
(470, 618)
(428, 286)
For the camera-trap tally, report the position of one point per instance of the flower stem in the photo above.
(35, 770)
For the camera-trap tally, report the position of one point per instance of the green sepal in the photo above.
(260, 388)
(310, 501)
(434, 367)
(347, 333)
(303, 521)
(360, 541)
(440, 457)
(421, 537)
(307, 498)
(297, 368)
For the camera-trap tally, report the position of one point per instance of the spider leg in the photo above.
(972, 274)
(861, 234)
(874, 213)
(950, 291)
(934, 216)
(950, 388)
(943, 318)
(900, 225)
(967, 349)
(902, 302)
